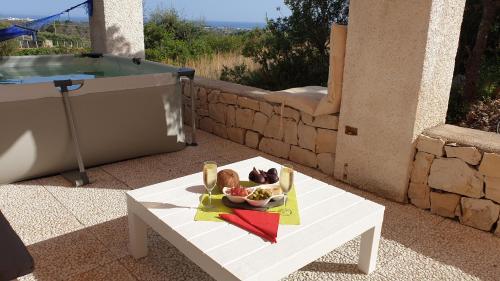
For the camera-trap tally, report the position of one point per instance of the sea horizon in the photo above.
(220, 24)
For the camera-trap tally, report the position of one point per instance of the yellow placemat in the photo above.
(202, 214)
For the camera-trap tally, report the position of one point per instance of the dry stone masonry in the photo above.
(270, 127)
(457, 180)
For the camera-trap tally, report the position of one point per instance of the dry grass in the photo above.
(211, 66)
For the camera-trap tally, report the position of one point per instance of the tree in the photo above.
(7, 48)
(473, 64)
(293, 51)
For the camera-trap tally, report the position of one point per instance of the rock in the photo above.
(307, 136)
(421, 167)
(274, 128)
(217, 111)
(470, 155)
(220, 130)
(430, 145)
(326, 163)
(326, 141)
(202, 96)
(259, 122)
(236, 135)
(490, 166)
(245, 102)
(213, 96)
(207, 124)
(323, 121)
(266, 108)
(419, 195)
(244, 118)
(479, 213)
(497, 232)
(228, 98)
(274, 147)
(444, 204)
(231, 116)
(492, 188)
(290, 131)
(454, 175)
(303, 156)
(252, 139)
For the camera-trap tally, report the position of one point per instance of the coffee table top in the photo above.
(329, 217)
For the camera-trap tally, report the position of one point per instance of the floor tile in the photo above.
(68, 255)
(110, 271)
(34, 213)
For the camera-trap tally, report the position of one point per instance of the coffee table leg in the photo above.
(138, 237)
(369, 248)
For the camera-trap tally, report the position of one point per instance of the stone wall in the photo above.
(456, 174)
(246, 116)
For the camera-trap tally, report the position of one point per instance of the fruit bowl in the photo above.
(258, 203)
(236, 198)
(277, 192)
(260, 197)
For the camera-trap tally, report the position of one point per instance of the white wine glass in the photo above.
(209, 179)
(286, 184)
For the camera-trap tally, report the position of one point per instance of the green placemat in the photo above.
(202, 214)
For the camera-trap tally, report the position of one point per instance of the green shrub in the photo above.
(50, 51)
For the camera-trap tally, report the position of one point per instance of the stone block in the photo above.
(245, 102)
(303, 156)
(231, 116)
(445, 204)
(220, 130)
(419, 195)
(326, 141)
(202, 96)
(207, 124)
(252, 139)
(470, 155)
(266, 108)
(326, 162)
(490, 165)
(228, 98)
(259, 122)
(236, 135)
(274, 128)
(497, 231)
(492, 188)
(244, 118)
(454, 175)
(307, 136)
(217, 111)
(430, 145)
(290, 131)
(323, 121)
(202, 112)
(421, 167)
(213, 96)
(274, 147)
(306, 118)
(479, 213)
(291, 113)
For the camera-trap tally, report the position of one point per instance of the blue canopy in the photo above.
(31, 28)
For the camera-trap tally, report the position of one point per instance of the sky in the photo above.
(209, 10)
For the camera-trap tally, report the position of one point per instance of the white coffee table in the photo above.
(329, 217)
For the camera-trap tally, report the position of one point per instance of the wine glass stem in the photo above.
(286, 196)
(210, 198)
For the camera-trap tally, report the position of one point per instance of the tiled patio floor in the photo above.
(81, 233)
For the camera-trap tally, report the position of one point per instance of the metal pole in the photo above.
(193, 111)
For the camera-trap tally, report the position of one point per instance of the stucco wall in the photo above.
(399, 63)
(116, 27)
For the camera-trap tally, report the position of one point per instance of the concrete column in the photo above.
(117, 27)
(399, 65)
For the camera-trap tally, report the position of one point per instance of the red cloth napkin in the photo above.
(261, 224)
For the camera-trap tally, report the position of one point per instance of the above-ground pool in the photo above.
(125, 108)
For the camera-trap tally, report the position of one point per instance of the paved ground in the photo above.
(81, 233)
